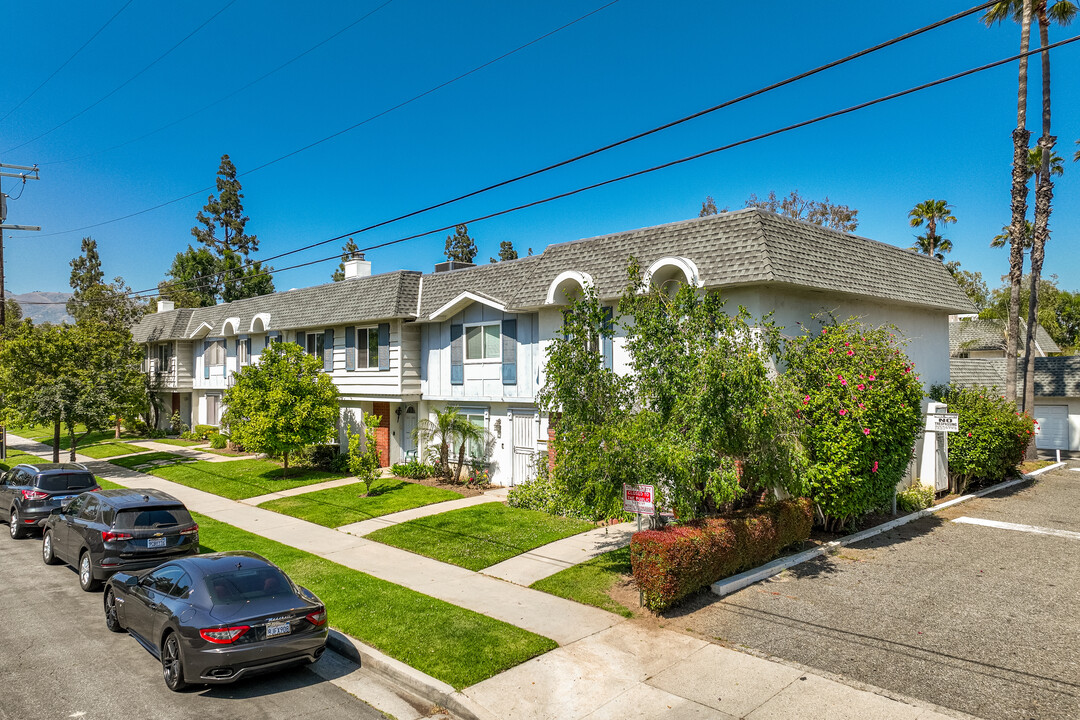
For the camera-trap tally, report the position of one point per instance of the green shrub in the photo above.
(364, 461)
(176, 425)
(915, 497)
(545, 493)
(413, 469)
(672, 563)
(992, 438)
(862, 412)
(136, 426)
(218, 441)
(203, 432)
(326, 457)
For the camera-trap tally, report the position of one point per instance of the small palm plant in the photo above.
(447, 432)
(932, 212)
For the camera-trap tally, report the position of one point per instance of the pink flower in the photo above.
(847, 344)
(860, 386)
(871, 377)
(831, 351)
(843, 412)
(806, 400)
(969, 434)
(861, 405)
(874, 469)
(850, 352)
(866, 431)
(843, 382)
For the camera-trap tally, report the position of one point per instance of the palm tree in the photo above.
(932, 212)
(998, 13)
(1003, 239)
(449, 429)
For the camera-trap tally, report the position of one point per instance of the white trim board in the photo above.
(1068, 534)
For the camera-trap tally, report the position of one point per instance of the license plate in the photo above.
(274, 629)
(156, 543)
(62, 498)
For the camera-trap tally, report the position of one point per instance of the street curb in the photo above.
(763, 572)
(426, 687)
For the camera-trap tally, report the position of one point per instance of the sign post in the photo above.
(640, 500)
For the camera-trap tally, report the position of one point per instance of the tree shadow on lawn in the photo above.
(378, 488)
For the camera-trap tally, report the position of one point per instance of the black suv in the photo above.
(29, 492)
(101, 533)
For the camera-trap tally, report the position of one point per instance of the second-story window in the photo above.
(483, 342)
(163, 358)
(215, 354)
(243, 351)
(367, 348)
(315, 344)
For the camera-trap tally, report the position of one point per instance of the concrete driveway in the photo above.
(58, 660)
(980, 617)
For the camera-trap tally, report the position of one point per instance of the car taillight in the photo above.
(224, 636)
(317, 618)
(97, 489)
(107, 535)
(193, 530)
(34, 495)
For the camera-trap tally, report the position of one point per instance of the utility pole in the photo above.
(30, 173)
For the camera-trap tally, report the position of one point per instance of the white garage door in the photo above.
(1053, 427)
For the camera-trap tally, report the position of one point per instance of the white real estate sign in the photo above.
(639, 499)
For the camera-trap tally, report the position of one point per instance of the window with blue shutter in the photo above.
(350, 348)
(384, 346)
(457, 355)
(606, 345)
(509, 352)
(328, 350)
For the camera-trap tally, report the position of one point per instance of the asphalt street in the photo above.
(980, 619)
(58, 660)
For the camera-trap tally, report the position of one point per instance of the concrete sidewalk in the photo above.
(539, 563)
(302, 490)
(365, 527)
(606, 667)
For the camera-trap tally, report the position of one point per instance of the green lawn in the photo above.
(479, 536)
(107, 450)
(590, 581)
(455, 645)
(92, 438)
(34, 431)
(343, 505)
(107, 484)
(14, 457)
(179, 442)
(131, 462)
(235, 479)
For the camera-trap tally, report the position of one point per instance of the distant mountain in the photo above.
(44, 306)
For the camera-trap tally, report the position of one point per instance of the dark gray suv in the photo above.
(29, 492)
(104, 532)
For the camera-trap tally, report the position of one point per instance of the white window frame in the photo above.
(465, 340)
(473, 412)
(218, 345)
(316, 338)
(371, 334)
(243, 356)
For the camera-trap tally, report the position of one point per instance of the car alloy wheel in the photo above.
(13, 528)
(172, 664)
(111, 620)
(86, 574)
(47, 553)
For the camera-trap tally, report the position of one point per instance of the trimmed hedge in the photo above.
(672, 563)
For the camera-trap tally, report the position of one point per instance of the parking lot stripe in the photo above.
(1068, 534)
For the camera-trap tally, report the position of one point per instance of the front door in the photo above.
(524, 447)
(408, 428)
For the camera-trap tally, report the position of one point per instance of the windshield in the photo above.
(245, 584)
(152, 518)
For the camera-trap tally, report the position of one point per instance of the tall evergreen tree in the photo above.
(94, 299)
(225, 213)
(460, 246)
(86, 274)
(506, 252)
(347, 251)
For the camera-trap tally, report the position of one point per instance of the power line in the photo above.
(548, 168)
(126, 82)
(65, 63)
(627, 176)
(402, 104)
(632, 138)
(234, 93)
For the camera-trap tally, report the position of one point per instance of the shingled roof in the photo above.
(1054, 376)
(746, 247)
(975, 335)
(377, 297)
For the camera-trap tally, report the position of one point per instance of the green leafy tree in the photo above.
(971, 283)
(460, 246)
(932, 212)
(1057, 313)
(240, 280)
(86, 274)
(222, 218)
(506, 252)
(820, 212)
(193, 280)
(861, 409)
(282, 404)
(347, 251)
(13, 315)
(364, 451)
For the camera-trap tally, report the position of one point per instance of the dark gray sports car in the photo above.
(216, 618)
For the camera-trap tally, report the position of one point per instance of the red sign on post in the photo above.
(639, 499)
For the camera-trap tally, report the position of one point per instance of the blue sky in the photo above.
(629, 67)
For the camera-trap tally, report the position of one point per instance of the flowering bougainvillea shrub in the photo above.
(861, 413)
(992, 437)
